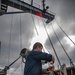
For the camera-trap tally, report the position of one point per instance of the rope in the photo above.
(39, 24)
(16, 68)
(10, 39)
(20, 32)
(22, 67)
(65, 33)
(0, 48)
(51, 44)
(20, 36)
(34, 22)
(34, 25)
(71, 62)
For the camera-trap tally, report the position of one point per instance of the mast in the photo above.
(32, 2)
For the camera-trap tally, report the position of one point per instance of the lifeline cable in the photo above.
(64, 32)
(21, 37)
(16, 69)
(0, 49)
(34, 25)
(71, 62)
(34, 22)
(52, 44)
(10, 37)
(20, 32)
(54, 73)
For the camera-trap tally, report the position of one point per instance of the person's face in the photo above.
(39, 49)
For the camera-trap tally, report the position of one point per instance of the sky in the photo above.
(19, 31)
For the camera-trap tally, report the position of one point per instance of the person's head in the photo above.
(37, 46)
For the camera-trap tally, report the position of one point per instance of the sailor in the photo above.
(33, 65)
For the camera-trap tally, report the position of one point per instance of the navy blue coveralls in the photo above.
(33, 65)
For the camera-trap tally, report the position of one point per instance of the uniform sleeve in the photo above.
(43, 56)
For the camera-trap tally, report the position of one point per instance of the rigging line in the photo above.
(34, 22)
(49, 52)
(39, 24)
(16, 68)
(34, 25)
(0, 49)
(65, 33)
(21, 67)
(10, 36)
(20, 37)
(71, 62)
(10, 39)
(20, 32)
(51, 44)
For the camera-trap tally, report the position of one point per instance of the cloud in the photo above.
(65, 16)
(11, 40)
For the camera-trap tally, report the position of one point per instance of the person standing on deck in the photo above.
(33, 64)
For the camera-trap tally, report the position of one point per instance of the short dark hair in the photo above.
(37, 44)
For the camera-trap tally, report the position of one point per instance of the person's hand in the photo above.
(53, 60)
(51, 68)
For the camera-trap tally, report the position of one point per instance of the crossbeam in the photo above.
(25, 7)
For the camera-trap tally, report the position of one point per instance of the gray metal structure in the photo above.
(26, 8)
(23, 54)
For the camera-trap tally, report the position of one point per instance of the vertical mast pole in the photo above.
(43, 4)
(0, 5)
(32, 2)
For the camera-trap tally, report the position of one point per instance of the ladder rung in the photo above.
(3, 4)
(3, 8)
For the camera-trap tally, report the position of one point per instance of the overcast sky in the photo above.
(18, 31)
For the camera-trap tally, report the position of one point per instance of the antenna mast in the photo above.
(43, 4)
(32, 2)
(44, 8)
